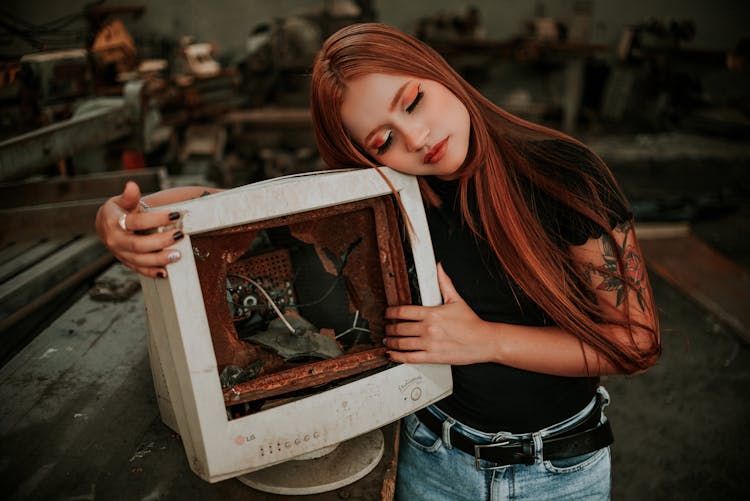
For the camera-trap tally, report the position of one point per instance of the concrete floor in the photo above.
(680, 427)
(79, 419)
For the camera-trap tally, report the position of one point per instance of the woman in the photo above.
(543, 283)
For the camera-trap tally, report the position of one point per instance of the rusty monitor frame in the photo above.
(194, 329)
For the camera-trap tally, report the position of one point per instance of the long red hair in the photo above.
(504, 154)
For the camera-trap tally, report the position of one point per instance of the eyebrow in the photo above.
(394, 103)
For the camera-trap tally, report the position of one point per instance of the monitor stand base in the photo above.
(347, 463)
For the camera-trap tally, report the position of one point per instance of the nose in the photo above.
(416, 137)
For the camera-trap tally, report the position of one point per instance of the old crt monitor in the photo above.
(266, 337)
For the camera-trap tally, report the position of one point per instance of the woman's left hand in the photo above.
(447, 334)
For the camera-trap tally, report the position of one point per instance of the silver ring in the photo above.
(121, 221)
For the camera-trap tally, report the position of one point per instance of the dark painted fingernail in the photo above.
(174, 215)
(160, 274)
(178, 235)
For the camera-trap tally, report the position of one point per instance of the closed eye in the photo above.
(416, 101)
(387, 144)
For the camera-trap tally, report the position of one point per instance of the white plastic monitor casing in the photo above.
(184, 366)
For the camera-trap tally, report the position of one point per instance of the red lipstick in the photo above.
(436, 153)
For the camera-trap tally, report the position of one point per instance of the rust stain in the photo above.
(305, 376)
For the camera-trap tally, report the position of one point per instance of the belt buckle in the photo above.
(477, 452)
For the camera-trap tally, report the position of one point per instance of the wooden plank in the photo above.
(11, 250)
(20, 327)
(388, 489)
(32, 255)
(661, 230)
(79, 419)
(64, 188)
(81, 378)
(64, 219)
(25, 287)
(707, 277)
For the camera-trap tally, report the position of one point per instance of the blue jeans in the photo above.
(430, 469)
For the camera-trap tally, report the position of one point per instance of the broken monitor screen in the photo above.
(295, 304)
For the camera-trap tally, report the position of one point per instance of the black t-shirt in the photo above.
(494, 397)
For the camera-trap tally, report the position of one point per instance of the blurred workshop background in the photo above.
(174, 92)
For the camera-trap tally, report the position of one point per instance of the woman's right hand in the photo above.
(142, 245)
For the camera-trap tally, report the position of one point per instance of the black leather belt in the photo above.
(585, 437)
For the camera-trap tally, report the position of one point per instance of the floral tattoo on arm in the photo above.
(635, 272)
